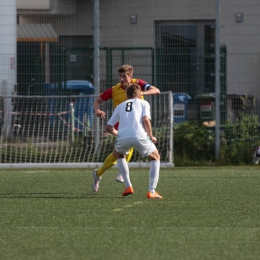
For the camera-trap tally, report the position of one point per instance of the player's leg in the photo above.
(154, 175)
(109, 162)
(120, 151)
(147, 148)
(124, 169)
(119, 176)
(129, 155)
(97, 173)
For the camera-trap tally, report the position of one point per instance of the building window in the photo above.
(184, 55)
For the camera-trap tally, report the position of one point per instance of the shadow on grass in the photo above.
(46, 195)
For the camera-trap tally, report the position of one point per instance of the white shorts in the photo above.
(143, 145)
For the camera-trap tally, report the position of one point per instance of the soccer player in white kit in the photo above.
(135, 131)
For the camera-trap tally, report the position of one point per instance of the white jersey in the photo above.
(129, 114)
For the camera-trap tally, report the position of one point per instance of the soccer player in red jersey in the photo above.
(118, 94)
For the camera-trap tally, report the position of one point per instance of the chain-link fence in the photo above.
(171, 44)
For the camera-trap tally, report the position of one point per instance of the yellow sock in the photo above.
(129, 155)
(108, 163)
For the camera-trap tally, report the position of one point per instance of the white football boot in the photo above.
(119, 178)
(96, 181)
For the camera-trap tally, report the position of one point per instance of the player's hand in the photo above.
(100, 113)
(154, 139)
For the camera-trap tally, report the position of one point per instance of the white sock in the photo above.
(154, 175)
(124, 170)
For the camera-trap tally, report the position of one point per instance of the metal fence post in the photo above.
(96, 66)
(217, 82)
(72, 122)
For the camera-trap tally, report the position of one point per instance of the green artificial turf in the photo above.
(205, 213)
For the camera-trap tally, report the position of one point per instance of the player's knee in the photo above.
(155, 156)
(118, 155)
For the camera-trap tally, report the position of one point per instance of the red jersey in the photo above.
(117, 93)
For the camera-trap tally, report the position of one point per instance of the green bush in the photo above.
(239, 140)
(194, 143)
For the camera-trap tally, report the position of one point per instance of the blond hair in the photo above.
(128, 69)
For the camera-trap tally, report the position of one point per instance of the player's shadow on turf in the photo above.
(49, 195)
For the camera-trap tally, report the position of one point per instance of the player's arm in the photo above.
(146, 88)
(96, 106)
(151, 91)
(110, 129)
(112, 121)
(148, 128)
